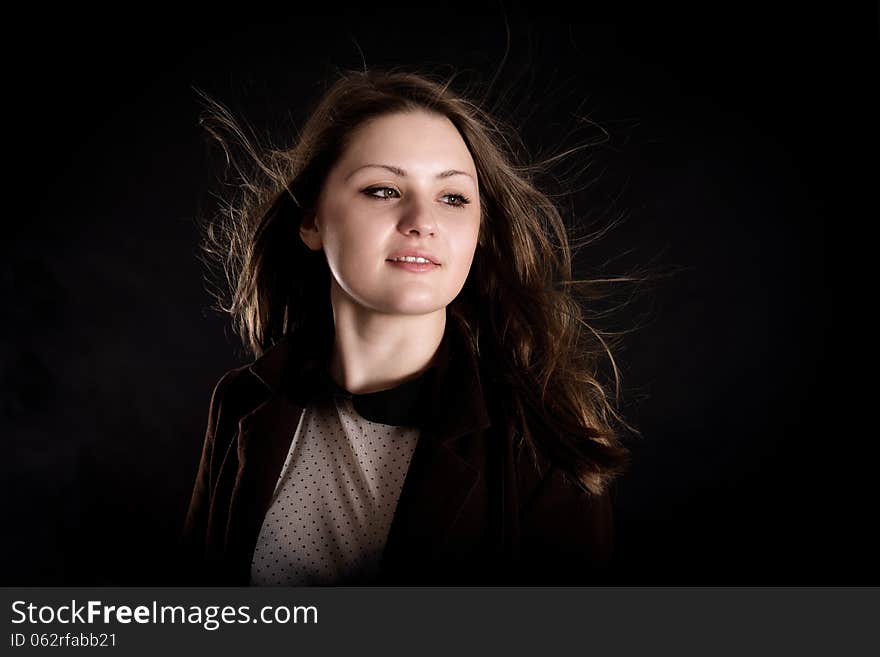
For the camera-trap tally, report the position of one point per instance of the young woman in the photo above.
(423, 406)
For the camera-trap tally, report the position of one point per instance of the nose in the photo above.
(417, 216)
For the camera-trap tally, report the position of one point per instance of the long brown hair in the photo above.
(520, 306)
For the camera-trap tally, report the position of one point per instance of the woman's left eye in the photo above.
(460, 200)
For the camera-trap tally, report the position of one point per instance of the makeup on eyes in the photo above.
(463, 201)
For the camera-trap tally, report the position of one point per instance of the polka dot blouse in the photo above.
(334, 501)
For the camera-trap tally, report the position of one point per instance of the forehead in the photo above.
(418, 141)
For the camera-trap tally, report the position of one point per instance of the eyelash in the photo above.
(463, 200)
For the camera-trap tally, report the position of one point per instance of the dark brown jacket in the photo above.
(471, 511)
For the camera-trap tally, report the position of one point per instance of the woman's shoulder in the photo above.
(232, 383)
(235, 393)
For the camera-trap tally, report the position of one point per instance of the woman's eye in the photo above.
(459, 200)
(369, 192)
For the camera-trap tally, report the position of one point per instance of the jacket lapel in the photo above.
(444, 470)
(264, 438)
(441, 476)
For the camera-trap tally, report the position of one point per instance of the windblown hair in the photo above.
(519, 304)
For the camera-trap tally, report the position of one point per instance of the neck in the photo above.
(375, 351)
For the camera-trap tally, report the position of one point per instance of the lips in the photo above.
(409, 265)
(415, 253)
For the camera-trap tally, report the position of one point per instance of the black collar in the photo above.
(450, 402)
(403, 405)
(406, 404)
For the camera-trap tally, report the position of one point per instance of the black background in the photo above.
(721, 154)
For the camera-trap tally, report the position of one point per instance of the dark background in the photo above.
(722, 129)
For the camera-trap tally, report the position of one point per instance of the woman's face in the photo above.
(406, 182)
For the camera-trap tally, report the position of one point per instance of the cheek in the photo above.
(356, 255)
(348, 238)
(464, 243)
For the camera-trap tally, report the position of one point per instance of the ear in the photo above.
(308, 231)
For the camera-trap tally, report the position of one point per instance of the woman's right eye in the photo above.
(369, 192)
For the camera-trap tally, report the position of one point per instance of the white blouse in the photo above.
(334, 501)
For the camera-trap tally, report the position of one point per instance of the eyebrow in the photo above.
(400, 172)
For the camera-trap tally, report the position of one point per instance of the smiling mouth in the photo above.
(414, 260)
(409, 265)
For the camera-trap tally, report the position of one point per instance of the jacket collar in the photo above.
(444, 470)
